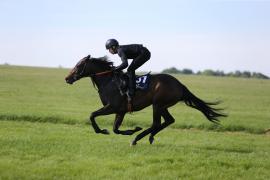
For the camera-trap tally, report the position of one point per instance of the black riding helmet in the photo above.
(111, 43)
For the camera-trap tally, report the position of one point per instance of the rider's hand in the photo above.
(114, 69)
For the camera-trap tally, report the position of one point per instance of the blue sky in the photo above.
(212, 34)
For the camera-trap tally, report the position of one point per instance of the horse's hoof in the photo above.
(105, 131)
(151, 139)
(133, 143)
(137, 129)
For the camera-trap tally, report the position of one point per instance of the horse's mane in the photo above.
(103, 61)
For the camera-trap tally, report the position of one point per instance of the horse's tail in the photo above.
(212, 114)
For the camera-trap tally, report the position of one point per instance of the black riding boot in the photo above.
(131, 83)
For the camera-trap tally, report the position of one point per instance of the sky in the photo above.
(223, 35)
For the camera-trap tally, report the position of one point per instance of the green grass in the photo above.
(48, 151)
(44, 132)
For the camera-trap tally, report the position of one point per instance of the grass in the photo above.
(44, 132)
(48, 151)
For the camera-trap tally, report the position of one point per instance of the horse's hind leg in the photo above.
(168, 120)
(117, 123)
(156, 124)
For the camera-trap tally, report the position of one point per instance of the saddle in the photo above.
(121, 79)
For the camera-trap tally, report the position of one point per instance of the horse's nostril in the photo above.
(69, 81)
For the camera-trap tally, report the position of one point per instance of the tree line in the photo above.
(209, 72)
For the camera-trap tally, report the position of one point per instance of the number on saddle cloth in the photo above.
(142, 82)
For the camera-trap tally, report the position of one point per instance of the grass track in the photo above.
(63, 146)
(49, 151)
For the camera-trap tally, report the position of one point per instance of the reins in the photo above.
(101, 73)
(92, 76)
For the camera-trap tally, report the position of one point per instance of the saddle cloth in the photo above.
(142, 82)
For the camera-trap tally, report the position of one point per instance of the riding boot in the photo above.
(131, 89)
(131, 83)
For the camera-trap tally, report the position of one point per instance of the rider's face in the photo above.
(112, 51)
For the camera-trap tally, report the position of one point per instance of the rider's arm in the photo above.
(124, 62)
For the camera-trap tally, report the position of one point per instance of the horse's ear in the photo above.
(88, 57)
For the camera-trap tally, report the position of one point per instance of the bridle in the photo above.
(82, 71)
(93, 74)
(79, 75)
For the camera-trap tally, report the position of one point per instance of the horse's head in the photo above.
(79, 71)
(87, 67)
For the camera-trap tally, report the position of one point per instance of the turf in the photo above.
(45, 134)
(48, 151)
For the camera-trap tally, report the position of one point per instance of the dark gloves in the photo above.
(116, 69)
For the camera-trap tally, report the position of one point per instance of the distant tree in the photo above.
(187, 71)
(208, 72)
(246, 74)
(259, 75)
(171, 70)
(230, 74)
(219, 73)
(237, 74)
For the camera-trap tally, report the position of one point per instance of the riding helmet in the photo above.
(110, 43)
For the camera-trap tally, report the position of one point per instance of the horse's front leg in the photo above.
(117, 123)
(106, 110)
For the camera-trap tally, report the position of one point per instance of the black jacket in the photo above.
(126, 52)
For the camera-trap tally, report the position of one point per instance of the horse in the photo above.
(163, 92)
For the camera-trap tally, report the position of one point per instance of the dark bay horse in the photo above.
(163, 92)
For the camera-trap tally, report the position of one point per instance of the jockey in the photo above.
(136, 52)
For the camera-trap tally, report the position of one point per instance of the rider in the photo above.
(137, 52)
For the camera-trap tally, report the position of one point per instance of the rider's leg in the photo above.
(131, 82)
(136, 63)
